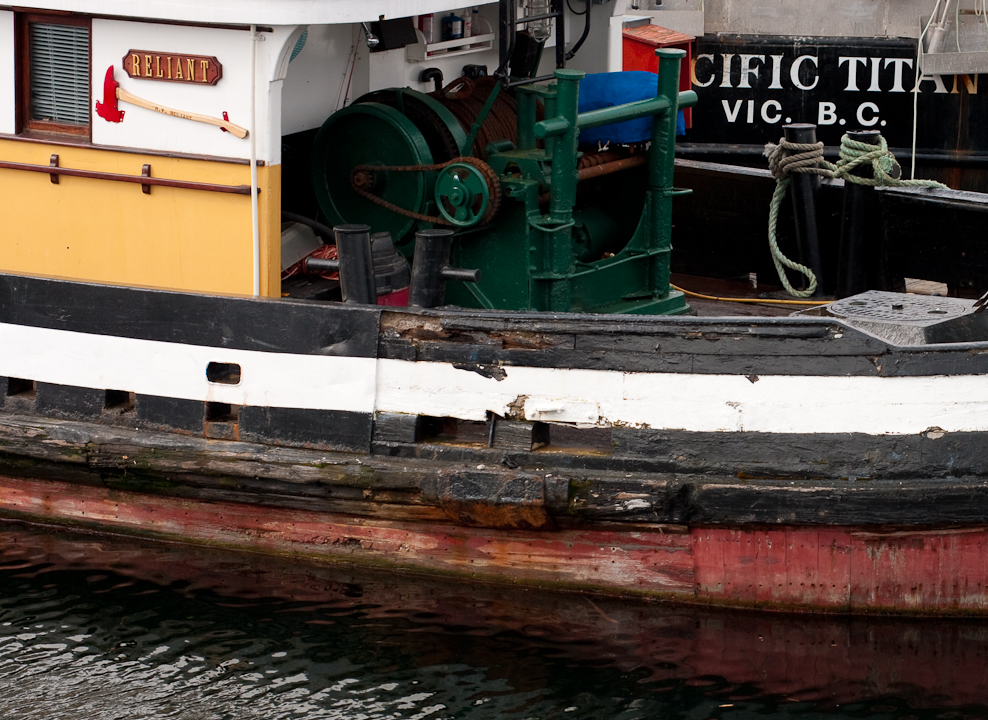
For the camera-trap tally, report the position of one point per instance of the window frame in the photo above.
(24, 122)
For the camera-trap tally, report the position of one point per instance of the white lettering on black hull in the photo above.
(749, 86)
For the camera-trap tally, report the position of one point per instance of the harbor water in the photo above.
(103, 628)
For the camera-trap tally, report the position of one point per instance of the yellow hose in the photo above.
(763, 301)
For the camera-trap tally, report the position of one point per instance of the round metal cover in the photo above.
(890, 307)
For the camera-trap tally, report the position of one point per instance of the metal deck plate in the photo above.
(903, 319)
(895, 307)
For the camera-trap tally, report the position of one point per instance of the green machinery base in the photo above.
(543, 240)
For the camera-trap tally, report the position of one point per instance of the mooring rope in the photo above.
(787, 157)
(805, 158)
(854, 153)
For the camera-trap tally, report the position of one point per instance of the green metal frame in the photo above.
(467, 147)
(634, 280)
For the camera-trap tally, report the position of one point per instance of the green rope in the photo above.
(808, 158)
(778, 257)
(854, 153)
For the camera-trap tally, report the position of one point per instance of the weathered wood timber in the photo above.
(537, 488)
(233, 322)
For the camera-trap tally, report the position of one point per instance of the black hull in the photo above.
(840, 84)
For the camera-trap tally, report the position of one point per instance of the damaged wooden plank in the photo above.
(518, 435)
(800, 456)
(651, 477)
(497, 499)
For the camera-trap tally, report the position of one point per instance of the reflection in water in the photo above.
(97, 627)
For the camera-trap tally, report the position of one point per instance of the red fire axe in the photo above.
(113, 92)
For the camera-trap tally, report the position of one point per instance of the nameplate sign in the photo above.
(172, 67)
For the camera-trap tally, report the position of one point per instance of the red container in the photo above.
(639, 54)
(396, 298)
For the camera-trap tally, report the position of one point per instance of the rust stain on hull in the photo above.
(598, 559)
(823, 569)
(934, 571)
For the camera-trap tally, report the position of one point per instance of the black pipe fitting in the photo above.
(433, 74)
(430, 268)
(356, 264)
(317, 265)
(859, 264)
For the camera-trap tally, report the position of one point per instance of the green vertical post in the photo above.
(564, 179)
(526, 119)
(564, 172)
(661, 167)
(550, 107)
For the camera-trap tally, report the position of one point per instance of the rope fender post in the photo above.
(805, 189)
(859, 245)
(783, 160)
(790, 157)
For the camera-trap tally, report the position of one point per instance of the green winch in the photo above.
(537, 217)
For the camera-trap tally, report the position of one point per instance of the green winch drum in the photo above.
(440, 128)
(371, 134)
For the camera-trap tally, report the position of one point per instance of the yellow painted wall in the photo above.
(111, 232)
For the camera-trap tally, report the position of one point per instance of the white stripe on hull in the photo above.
(699, 403)
(674, 401)
(173, 370)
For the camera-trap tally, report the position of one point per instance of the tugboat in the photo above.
(308, 280)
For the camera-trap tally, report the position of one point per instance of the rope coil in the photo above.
(786, 158)
(465, 98)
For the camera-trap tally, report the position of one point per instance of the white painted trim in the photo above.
(700, 403)
(7, 85)
(258, 12)
(254, 211)
(172, 370)
(315, 81)
(672, 401)
(144, 129)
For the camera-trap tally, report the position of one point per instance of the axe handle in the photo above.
(234, 130)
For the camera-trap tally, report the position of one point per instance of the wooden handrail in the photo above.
(54, 170)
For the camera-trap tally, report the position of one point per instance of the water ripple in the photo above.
(107, 629)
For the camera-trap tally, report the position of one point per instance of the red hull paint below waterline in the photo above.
(831, 569)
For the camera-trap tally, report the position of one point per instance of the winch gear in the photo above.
(362, 180)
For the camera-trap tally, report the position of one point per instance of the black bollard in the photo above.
(353, 246)
(430, 268)
(859, 262)
(805, 189)
(432, 248)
